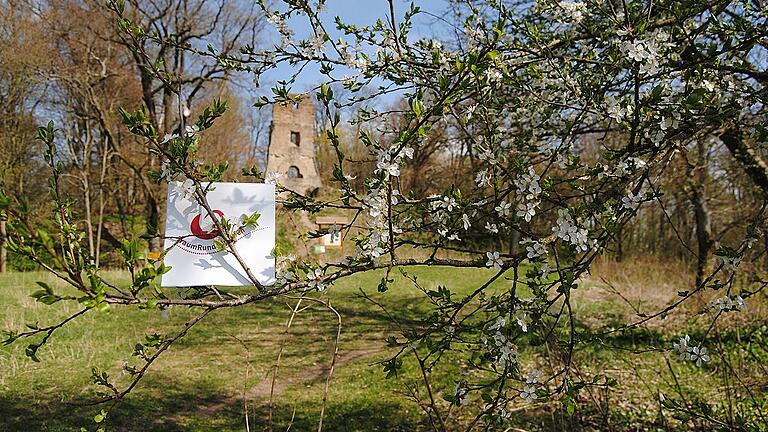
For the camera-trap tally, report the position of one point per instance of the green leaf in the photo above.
(392, 342)
(149, 304)
(383, 284)
(696, 96)
(391, 367)
(417, 107)
(569, 404)
(45, 295)
(31, 352)
(100, 417)
(251, 220)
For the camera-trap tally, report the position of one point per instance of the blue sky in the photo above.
(358, 12)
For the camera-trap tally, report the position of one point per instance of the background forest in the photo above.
(556, 215)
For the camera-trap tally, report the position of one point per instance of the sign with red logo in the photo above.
(193, 242)
(210, 231)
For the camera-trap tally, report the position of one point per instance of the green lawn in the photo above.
(223, 365)
(199, 384)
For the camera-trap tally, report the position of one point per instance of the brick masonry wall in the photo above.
(283, 153)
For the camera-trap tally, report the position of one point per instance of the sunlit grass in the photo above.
(224, 365)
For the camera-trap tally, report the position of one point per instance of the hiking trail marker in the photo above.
(191, 236)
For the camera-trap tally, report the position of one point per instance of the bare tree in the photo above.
(18, 100)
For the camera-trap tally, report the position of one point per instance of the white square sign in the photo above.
(190, 234)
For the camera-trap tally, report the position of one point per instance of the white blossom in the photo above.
(632, 201)
(494, 75)
(483, 178)
(667, 123)
(686, 351)
(168, 137)
(643, 52)
(574, 9)
(272, 177)
(314, 277)
(360, 62)
(521, 317)
(461, 394)
(507, 351)
(621, 169)
(503, 208)
(465, 221)
(528, 393)
(388, 165)
(471, 111)
(438, 202)
(492, 228)
(534, 249)
(533, 377)
(637, 162)
(191, 130)
(165, 170)
(698, 355)
(544, 271)
(682, 346)
(314, 45)
(488, 156)
(528, 185)
(494, 260)
(286, 277)
(567, 230)
(527, 210)
(499, 324)
(615, 111)
(728, 303)
(187, 189)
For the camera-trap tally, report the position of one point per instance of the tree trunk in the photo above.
(515, 242)
(765, 244)
(152, 212)
(153, 223)
(703, 232)
(88, 211)
(110, 238)
(750, 160)
(620, 244)
(698, 174)
(102, 203)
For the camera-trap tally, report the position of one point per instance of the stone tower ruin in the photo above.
(291, 149)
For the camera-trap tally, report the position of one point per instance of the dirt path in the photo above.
(260, 392)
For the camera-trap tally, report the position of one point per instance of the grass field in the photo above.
(221, 370)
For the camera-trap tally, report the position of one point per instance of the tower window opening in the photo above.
(295, 138)
(293, 172)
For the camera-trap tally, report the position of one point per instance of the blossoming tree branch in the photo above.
(572, 115)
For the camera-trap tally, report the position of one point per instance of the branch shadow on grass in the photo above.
(176, 407)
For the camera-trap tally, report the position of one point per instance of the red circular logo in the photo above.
(201, 233)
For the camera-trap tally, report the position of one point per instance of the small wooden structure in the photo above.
(332, 224)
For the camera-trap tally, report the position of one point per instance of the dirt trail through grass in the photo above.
(261, 391)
